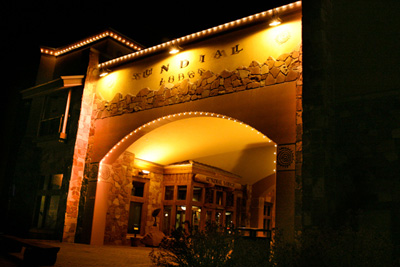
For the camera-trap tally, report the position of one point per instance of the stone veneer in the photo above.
(80, 150)
(120, 174)
(287, 67)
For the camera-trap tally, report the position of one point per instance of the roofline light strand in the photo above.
(201, 34)
(89, 40)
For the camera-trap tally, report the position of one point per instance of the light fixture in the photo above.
(143, 172)
(175, 49)
(104, 72)
(275, 20)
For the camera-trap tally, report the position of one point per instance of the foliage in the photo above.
(214, 247)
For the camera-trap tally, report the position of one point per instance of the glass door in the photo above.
(135, 216)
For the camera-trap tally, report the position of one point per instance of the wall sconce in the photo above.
(175, 49)
(104, 72)
(275, 20)
(144, 172)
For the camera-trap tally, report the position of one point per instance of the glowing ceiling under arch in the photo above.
(226, 144)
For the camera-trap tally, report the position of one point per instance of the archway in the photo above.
(207, 138)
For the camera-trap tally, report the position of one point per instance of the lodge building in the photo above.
(122, 140)
(140, 139)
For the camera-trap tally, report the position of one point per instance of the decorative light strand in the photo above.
(171, 118)
(201, 34)
(89, 40)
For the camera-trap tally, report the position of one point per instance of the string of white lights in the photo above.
(89, 40)
(165, 119)
(201, 34)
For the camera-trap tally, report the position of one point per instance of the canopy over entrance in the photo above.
(218, 141)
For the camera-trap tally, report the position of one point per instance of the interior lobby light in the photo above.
(275, 20)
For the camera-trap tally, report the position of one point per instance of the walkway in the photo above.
(81, 255)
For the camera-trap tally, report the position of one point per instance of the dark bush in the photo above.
(214, 247)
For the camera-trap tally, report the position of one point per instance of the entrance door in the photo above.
(180, 217)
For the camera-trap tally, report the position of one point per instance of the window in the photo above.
(53, 113)
(267, 208)
(197, 191)
(182, 189)
(137, 189)
(135, 215)
(267, 224)
(209, 195)
(229, 219)
(180, 216)
(166, 227)
(47, 202)
(196, 211)
(267, 220)
(229, 199)
(218, 217)
(220, 198)
(169, 193)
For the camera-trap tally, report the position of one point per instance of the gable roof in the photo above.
(108, 33)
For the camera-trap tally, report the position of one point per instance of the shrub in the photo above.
(214, 247)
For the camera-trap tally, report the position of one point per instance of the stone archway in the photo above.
(236, 142)
(273, 113)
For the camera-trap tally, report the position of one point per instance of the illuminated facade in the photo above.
(222, 130)
(211, 132)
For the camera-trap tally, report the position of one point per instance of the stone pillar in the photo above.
(80, 149)
(285, 191)
(104, 185)
(154, 201)
(119, 197)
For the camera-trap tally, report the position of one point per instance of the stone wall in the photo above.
(120, 175)
(80, 150)
(119, 199)
(287, 67)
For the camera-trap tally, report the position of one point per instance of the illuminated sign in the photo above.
(230, 52)
(183, 65)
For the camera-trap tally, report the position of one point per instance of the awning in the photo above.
(61, 83)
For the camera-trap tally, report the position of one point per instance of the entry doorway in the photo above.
(135, 217)
(138, 206)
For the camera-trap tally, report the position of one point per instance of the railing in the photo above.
(51, 126)
(254, 231)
